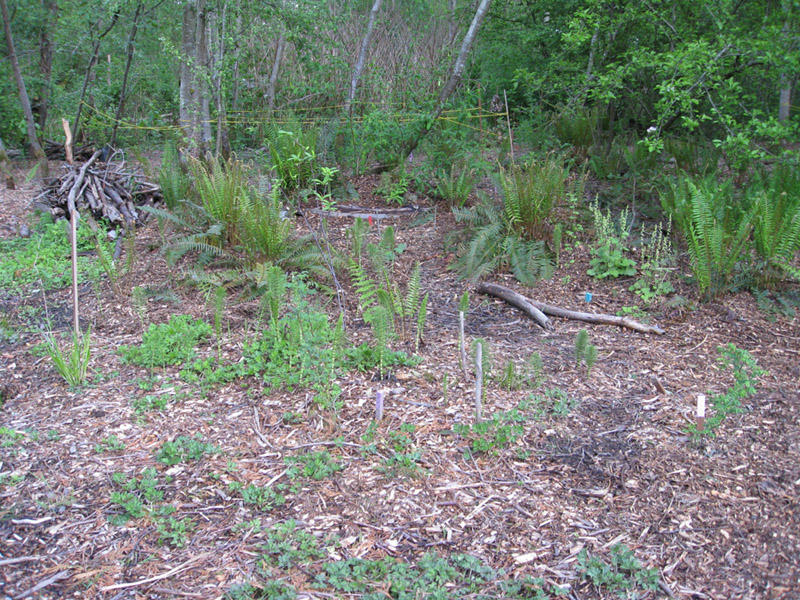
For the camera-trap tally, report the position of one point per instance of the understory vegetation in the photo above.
(304, 271)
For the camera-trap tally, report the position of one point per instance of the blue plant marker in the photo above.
(588, 296)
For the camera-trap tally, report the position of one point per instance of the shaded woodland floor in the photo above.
(603, 461)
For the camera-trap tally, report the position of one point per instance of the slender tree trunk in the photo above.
(129, 48)
(451, 23)
(219, 31)
(453, 80)
(276, 67)
(34, 147)
(785, 95)
(362, 56)
(46, 60)
(88, 77)
(5, 167)
(194, 98)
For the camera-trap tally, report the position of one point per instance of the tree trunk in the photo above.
(451, 23)
(87, 78)
(194, 97)
(218, 28)
(273, 78)
(362, 56)
(5, 167)
(785, 95)
(34, 147)
(453, 80)
(129, 48)
(46, 60)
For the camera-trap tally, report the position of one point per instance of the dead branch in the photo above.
(516, 299)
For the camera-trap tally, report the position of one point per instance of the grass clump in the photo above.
(71, 364)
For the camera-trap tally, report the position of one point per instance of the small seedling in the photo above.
(584, 351)
(184, 449)
(314, 465)
(109, 444)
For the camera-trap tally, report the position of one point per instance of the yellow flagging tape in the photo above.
(399, 117)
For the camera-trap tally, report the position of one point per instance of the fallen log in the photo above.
(522, 302)
(518, 300)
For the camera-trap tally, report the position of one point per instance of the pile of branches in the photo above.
(106, 190)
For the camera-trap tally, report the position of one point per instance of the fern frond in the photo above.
(422, 315)
(363, 284)
(412, 297)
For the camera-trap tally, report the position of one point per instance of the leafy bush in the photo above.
(169, 343)
(609, 255)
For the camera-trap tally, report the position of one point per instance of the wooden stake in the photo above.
(508, 122)
(378, 405)
(701, 412)
(479, 382)
(461, 343)
(68, 143)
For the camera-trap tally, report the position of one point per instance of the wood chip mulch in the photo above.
(718, 518)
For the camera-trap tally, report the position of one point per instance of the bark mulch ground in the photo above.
(604, 460)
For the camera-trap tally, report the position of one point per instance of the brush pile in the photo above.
(106, 190)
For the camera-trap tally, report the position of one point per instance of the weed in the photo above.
(552, 401)
(314, 465)
(264, 499)
(150, 402)
(394, 186)
(44, 258)
(501, 431)
(270, 590)
(9, 437)
(609, 255)
(73, 364)
(655, 257)
(184, 449)
(174, 532)
(624, 575)
(403, 458)
(109, 444)
(136, 497)
(287, 545)
(169, 343)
